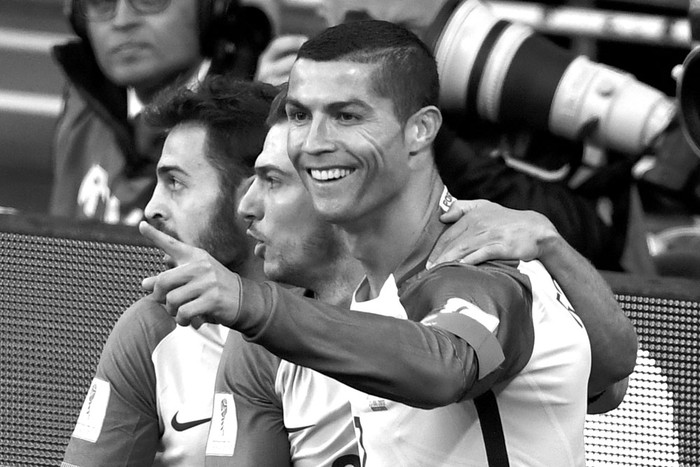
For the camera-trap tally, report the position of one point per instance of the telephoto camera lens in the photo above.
(507, 73)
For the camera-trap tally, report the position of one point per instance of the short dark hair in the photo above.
(407, 72)
(233, 112)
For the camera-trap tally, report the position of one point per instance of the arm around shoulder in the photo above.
(611, 333)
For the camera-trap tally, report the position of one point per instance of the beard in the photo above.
(225, 240)
(306, 261)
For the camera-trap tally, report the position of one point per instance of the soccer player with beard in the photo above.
(366, 156)
(287, 413)
(150, 399)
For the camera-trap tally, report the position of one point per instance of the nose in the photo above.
(124, 14)
(156, 208)
(317, 138)
(250, 208)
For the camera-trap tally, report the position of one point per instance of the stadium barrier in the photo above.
(63, 285)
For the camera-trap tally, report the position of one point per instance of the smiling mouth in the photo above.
(325, 175)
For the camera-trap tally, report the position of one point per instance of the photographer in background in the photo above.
(127, 51)
(671, 181)
(511, 155)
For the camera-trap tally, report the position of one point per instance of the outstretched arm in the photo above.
(441, 367)
(485, 231)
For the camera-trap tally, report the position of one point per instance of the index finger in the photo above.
(173, 247)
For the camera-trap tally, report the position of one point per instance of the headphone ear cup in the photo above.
(76, 18)
(203, 24)
(235, 37)
(215, 17)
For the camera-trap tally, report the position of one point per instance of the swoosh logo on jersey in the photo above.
(177, 426)
(299, 428)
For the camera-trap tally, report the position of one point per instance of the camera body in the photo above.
(688, 83)
(688, 94)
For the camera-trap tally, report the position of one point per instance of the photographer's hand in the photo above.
(277, 59)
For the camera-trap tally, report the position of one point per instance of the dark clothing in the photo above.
(104, 165)
(98, 170)
(474, 169)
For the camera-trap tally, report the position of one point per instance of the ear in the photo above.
(422, 128)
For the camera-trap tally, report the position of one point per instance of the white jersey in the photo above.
(284, 413)
(542, 408)
(150, 402)
(316, 416)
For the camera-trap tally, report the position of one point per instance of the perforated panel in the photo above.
(59, 298)
(62, 289)
(657, 424)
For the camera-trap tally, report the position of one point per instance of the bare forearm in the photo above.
(608, 399)
(612, 335)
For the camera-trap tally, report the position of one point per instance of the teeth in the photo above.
(329, 174)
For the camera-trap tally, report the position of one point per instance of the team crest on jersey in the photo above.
(223, 430)
(92, 414)
(377, 405)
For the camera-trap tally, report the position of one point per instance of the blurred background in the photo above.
(30, 99)
(648, 38)
(30, 94)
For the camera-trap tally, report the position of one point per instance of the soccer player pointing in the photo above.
(493, 355)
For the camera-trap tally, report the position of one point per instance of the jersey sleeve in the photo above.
(118, 424)
(248, 372)
(404, 360)
(489, 307)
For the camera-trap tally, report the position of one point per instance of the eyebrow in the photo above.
(334, 106)
(267, 169)
(166, 169)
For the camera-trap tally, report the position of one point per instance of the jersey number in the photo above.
(560, 297)
(360, 441)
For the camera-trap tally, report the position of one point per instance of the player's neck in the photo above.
(383, 244)
(336, 289)
(334, 281)
(252, 268)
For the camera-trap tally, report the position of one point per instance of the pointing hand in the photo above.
(198, 289)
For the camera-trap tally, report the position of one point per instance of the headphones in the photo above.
(216, 18)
